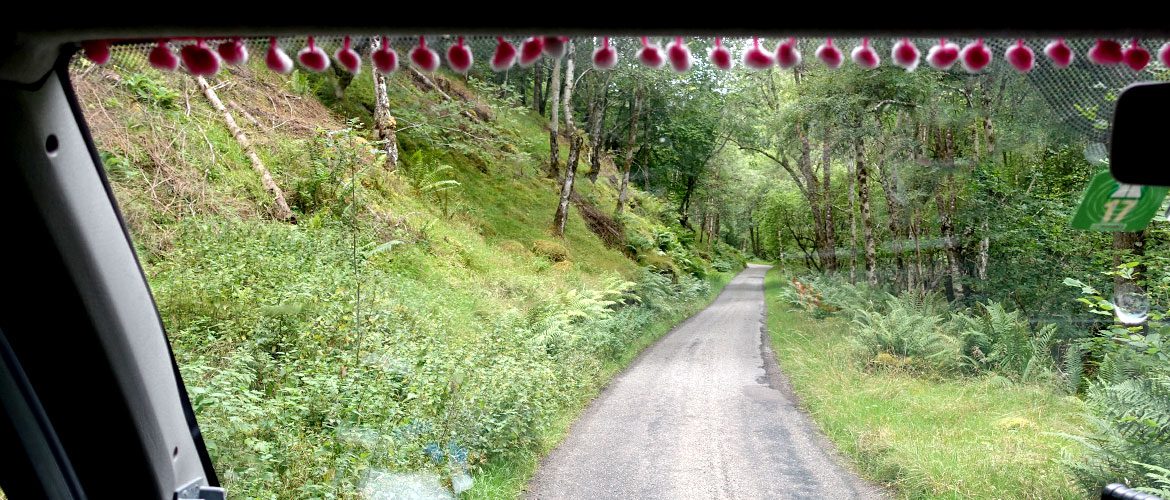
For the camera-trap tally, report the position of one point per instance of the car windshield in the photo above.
(684, 267)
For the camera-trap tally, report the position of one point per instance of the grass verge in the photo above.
(923, 437)
(507, 477)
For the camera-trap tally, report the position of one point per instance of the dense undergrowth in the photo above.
(1041, 413)
(420, 320)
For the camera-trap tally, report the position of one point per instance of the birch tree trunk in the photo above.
(385, 127)
(984, 251)
(554, 151)
(575, 143)
(623, 192)
(280, 208)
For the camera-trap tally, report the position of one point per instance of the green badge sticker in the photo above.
(1112, 206)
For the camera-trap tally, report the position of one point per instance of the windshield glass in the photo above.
(394, 266)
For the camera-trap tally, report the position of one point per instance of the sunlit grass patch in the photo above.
(925, 436)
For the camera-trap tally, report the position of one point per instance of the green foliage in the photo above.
(336, 159)
(461, 350)
(906, 332)
(1002, 341)
(1129, 426)
(150, 91)
(923, 435)
(550, 250)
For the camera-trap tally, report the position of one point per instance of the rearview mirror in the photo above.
(1140, 142)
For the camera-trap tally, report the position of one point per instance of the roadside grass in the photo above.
(507, 476)
(924, 437)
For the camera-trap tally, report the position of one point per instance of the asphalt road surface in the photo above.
(704, 413)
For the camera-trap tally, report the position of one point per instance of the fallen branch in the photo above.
(281, 210)
(240, 109)
(426, 82)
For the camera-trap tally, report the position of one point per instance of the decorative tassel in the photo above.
(424, 57)
(459, 57)
(864, 55)
(679, 55)
(233, 52)
(830, 54)
(788, 54)
(1164, 54)
(162, 58)
(1106, 52)
(719, 55)
(348, 58)
(97, 51)
(651, 54)
(313, 57)
(505, 55)
(605, 56)
(905, 54)
(1020, 56)
(276, 59)
(199, 59)
(943, 55)
(757, 58)
(1135, 56)
(531, 50)
(975, 56)
(385, 59)
(554, 46)
(1059, 52)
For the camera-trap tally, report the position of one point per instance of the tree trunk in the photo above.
(280, 208)
(1126, 246)
(548, 86)
(866, 215)
(893, 206)
(825, 247)
(597, 108)
(554, 151)
(575, 143)
(623, 192)
(385, 127)
(567, 98)
(917, 280)
(946, 209)
(537, 93)
(853, 222)
(984, 251)
(562, 215)
(827, 198)
(684, 207)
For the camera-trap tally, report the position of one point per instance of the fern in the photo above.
(1128, 426)
(903, 331)
(1002, 341)
(1074, 367)
(1160, 480)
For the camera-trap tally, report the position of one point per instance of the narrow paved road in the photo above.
(700, 414)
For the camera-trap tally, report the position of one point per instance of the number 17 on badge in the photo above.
(1112, 206)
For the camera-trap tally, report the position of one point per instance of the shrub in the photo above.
(513, 247)
(1002, 341)
(659, 262)
(908, 333)
(551, 250)
(1129, 426)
